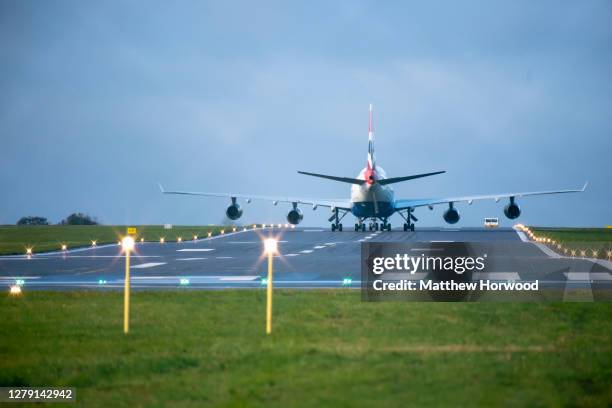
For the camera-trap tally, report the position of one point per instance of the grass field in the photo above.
(15, 239)
(589, 242)
(208, 348)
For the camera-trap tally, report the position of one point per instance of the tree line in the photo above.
(72, 219)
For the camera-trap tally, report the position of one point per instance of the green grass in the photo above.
(595, 242)
(208, 348)
(15, 239)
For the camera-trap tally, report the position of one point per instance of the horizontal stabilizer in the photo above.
(406, 178)
(335, 178)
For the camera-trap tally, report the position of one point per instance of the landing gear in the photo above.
(337, 225)
(360, 227)
(408, 225)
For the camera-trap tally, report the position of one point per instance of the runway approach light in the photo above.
(179, 240)
(270, 246)
(64, 247)
(162, 240)
(127, 243)
(184, 281)
(264, 282)
(234, 229)
(222, 232)
(195, 237)
(15, 290)
(254, 226)
(28, 251)
(286, 225)
(280, 225)
(141, 240)
(209, 234)
(94, 243)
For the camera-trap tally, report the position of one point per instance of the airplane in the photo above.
(373, 199)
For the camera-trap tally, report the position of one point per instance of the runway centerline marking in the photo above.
(307, 251)
(224, 257)
(148, 265)
(195, 250)
(189, 259)
(319, 246)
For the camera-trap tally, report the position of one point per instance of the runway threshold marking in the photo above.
(148, 265)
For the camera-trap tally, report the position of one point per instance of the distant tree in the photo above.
(33, 221)
(78, 219)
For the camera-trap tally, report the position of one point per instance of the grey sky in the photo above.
(101, 100)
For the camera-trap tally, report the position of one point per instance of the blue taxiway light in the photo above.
(20, 282)
(184, 281)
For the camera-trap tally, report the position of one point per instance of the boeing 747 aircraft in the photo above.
(372, 198)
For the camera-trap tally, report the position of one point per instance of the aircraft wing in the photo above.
(420, 202)
(331, 203)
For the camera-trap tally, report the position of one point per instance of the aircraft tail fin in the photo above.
(371, 161)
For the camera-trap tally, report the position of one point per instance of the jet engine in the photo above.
(234, 211)
(451, 215)
(512, 210)
(295, 216)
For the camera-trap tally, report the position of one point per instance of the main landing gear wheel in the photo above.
(409, 227)
(335, 227)
(362, 227)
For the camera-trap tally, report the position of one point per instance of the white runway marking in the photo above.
(189, 259)
(148, 265)
(441, 241)
(225, 257)
(582, 276)
(306, 251)
(239, 278)
(195, 250)
(501, 276)
(291, 254)
(319, 246)
(314, 230)
(250, 242)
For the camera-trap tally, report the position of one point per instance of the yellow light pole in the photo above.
(270, 247)
(128, 246)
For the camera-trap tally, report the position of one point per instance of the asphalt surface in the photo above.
(309, 258)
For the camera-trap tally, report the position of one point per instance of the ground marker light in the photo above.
(15, 290)
(28, 251)
(179, 240)
(347, 281)
(162, 240)
(101, 281)
(19, 282)
(195, 237)
(184, 281)
(64, 247)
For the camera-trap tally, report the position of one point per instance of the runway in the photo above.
(309, 258)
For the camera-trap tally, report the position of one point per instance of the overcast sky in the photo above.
(101, 100)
